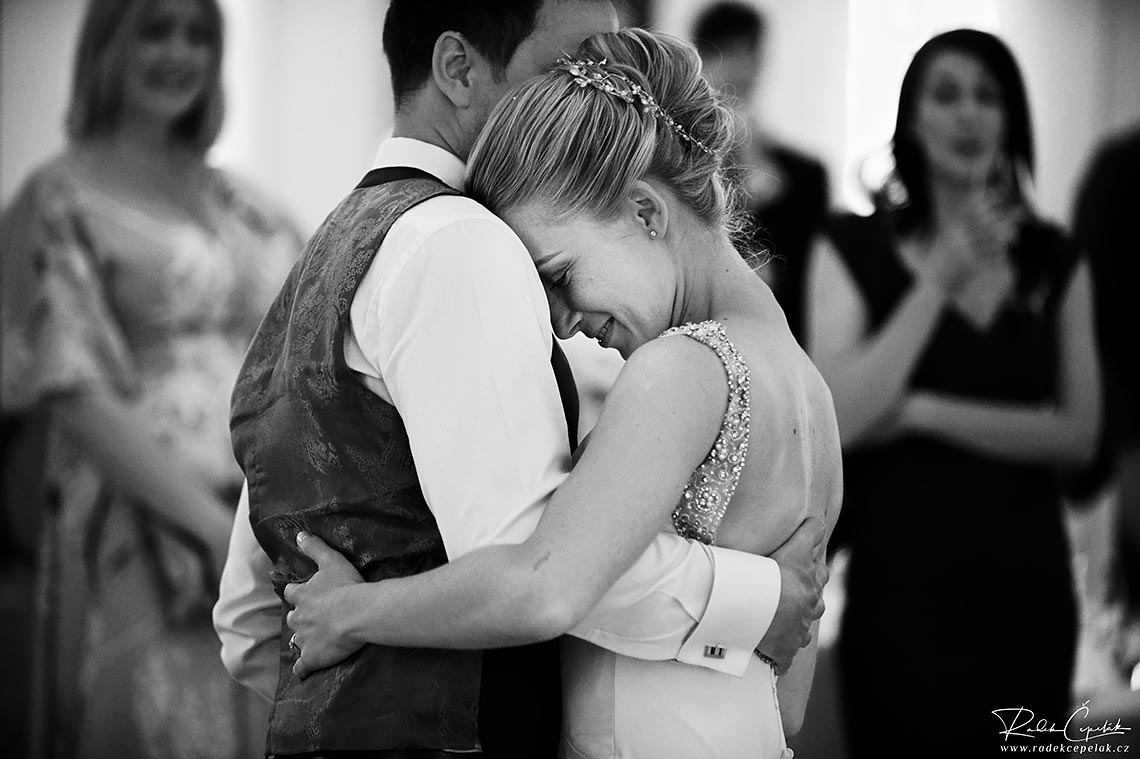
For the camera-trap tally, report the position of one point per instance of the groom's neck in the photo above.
(425, 119)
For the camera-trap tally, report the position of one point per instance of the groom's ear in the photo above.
(452, 62)
(649, 208)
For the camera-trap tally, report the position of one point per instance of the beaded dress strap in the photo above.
(710, 488)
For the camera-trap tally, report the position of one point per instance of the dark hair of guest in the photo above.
(727, 22)
(910, 162)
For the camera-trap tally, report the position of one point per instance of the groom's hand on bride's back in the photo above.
(803, 573)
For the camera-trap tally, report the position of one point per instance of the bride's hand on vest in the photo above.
(318, 639)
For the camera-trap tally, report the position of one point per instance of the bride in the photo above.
(610, 170)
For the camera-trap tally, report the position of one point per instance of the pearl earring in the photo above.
(653, 233)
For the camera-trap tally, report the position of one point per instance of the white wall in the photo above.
(309, 97)
(1081, 61)
(37, 38)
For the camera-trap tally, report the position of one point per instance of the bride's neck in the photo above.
(710, 264)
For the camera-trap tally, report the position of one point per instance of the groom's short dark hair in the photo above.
(411, 27)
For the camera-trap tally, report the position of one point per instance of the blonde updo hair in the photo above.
(580, 148)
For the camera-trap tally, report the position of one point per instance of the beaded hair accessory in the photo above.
(585, 72)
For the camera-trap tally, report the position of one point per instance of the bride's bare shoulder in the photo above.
(672, 380)
(673, 358)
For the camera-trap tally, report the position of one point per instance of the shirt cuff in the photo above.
(742, 604)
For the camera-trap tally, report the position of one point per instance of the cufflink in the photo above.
(714, 652)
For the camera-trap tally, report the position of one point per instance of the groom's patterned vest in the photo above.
(323, 454)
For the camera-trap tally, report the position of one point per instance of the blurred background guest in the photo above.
(133, 276)
(956, 332)
(1107, 201)
(784, 189)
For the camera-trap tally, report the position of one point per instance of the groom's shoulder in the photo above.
(454, 214)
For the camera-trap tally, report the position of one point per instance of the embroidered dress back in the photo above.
(712, 484)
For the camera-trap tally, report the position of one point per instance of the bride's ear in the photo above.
(649, 209)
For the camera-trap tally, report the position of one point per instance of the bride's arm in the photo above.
(659, 422)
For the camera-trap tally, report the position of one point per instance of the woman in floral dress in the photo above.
(134, 274)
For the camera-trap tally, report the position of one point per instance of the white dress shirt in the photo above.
(451, 325)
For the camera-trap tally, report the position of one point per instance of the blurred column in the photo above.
(37, 40)
(308, 98)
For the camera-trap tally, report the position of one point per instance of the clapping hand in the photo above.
(953, 258)
(317, 616)
(974, 242)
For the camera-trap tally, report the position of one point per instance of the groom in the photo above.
(407, 377)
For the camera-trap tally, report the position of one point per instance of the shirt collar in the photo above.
(407, 151)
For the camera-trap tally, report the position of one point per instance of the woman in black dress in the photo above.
(956, 334)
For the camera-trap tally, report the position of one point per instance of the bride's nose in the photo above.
(566, 321)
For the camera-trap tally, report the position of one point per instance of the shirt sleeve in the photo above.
(247, 616)
(683, 600)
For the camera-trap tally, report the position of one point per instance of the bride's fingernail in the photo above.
(302, 536)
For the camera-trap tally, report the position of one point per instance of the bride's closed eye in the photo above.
(560, 280)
